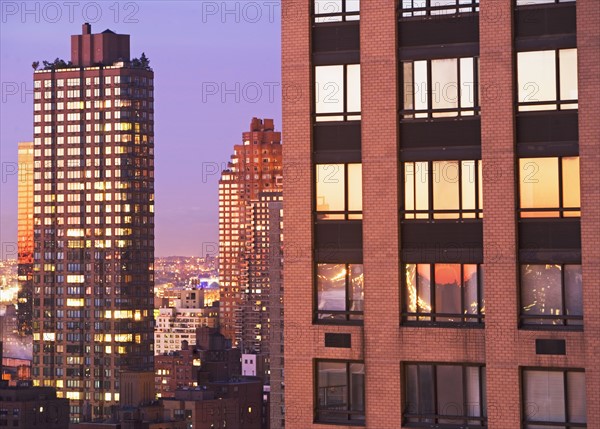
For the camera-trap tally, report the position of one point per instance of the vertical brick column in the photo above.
(588, 49)
(380, 210)
(499, 227)
(296, 85)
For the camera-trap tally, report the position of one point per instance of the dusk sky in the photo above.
(195, 48)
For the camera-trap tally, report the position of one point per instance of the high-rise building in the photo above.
(442, 201)
(93, 221)
(25, 237)
(255, 167)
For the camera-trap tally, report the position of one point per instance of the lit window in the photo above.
(339, 191)
(337, 92)
(340, 292)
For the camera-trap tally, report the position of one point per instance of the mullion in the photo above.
(460, 201)
(462, 295)
(432, 294)
(429, 89)
(475, 83)
(566, 393)
(345, 91)
(458, 82)
(557, 83)
(561, 210)
(563, 294)
(347, 277)
(429, 175)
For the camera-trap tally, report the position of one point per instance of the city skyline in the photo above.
(196, 128)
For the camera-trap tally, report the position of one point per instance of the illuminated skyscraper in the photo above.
(93, 221)
(25, 237)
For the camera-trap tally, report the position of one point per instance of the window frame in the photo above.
(564, 318)
(526, 424)
(436, 10)
(348, 215)
(347, 116)
(436, 417)
(557, 105)
(316, 410)
(431, 212)
(431, 112)
(343, 15)
(430, 319)
(347, 313)
(561, 210)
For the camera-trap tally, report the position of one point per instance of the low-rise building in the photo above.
(24, 406)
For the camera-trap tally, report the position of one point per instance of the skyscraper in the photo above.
(255, 167)
(444, 212)
(25, 237)
(93, 221)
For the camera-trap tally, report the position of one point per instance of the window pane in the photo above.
(357, 287)
(421, 87)
(538, 183)
(537, 76)
(357, 389)
(473, 405)
(449, 391)
(425, 391)
(444, 77)
(355, 187)
(409, 186)
(445, 188)
(412, 391)
(410, 271)
(328, 6)
(574, 292)
(544, 396)
(541, 292)
(471, 294)
(422, 188)
(332, 389)
(576, 397)
(468, 185)
(331, 287)
(568, 74)
(330, 187)
(571, 186)
(329, 89)
(408, 85)
(424, 288)
(467, 83)
(448, 290)
(353, 75)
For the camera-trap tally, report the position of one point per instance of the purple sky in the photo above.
(196, 49)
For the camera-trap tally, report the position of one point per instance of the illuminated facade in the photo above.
(174, 325)
(93, 222)
(25, 238)
(255, 167)
(444, 213)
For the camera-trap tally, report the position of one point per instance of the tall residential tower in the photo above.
(93, 221)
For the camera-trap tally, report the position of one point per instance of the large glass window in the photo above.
(554, 399)
(440, 88)
(438, 7)
(340, 292)
(443, 190)
(443, 293)
(445, 396)
(551, 294)
(340, 394)
(336, 10)
(549, 187)
(339, 191)
(337, 92)
(547, 80)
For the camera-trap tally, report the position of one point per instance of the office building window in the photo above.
(445, 396)
(337, 92)
(440, 88)
(340, 392)
(551, 295)
(443, 293)
(443, 190)
(339, 292)
(336, 10)
(549, 187)
(554, 399)
(437, 7)
(339, 191)
(547, 80)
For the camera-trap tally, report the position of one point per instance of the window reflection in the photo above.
(551, 294)
(451, 293)
(412, 8)
(339, 191)
(543, 85)
(336, 10)
(337, 92)
(340, 291)
(549, 187)
(340, 391)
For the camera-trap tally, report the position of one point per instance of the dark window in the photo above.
(443, 190)
(440, 88)
(554, 398)
(549, 187)
(338, 191)
(445, 396)
(337, 93)
(547, 80)
(340, 292)
(340, 394)
(336, 10)
(443, 293)
(437, 7)
(552, 295)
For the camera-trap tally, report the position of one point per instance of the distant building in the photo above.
(25, 243)
(174, 325)
(30, 407)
